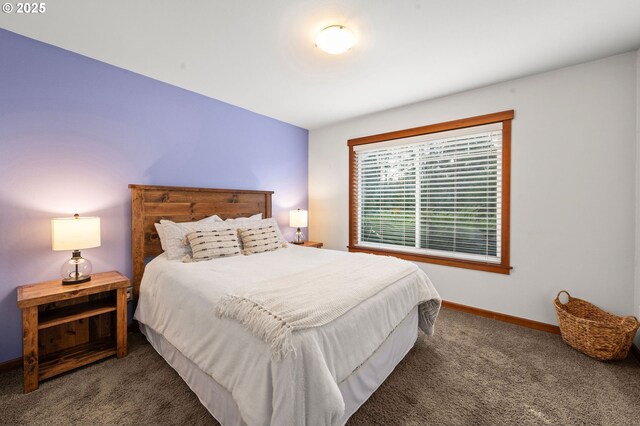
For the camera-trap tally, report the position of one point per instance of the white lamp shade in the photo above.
(298, 218)
(75, 233)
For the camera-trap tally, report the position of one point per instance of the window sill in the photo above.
(457, 263)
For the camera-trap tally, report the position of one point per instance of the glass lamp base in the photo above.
(71, 281)
(76, 270)
(299, 237)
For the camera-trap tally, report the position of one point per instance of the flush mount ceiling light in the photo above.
(335, 39)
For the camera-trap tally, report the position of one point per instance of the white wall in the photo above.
(573, 186)
(637, 292)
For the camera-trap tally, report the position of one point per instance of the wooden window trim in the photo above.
(503, 117)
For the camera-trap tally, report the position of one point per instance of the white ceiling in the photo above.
(260, 55)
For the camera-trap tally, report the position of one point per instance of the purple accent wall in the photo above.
(74, 132)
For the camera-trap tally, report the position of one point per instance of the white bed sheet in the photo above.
(355, 389)
(178, 301)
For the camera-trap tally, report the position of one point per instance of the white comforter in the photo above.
(178, 300)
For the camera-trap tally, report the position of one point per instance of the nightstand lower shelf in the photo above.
(77, 356)
(74, 312)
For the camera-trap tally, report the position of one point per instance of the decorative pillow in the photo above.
(259, 240)
(160, 229)
(207, 245)
(244, 223)
(176, 245)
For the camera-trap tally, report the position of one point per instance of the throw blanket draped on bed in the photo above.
(275, 308)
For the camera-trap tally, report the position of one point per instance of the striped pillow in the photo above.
(260, 239)
(207, 245)
(174, 235)
(243, 223)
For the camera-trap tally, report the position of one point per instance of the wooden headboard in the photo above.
(150, 204)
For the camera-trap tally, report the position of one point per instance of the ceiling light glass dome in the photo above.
(335, 39)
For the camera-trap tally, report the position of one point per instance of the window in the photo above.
(435, 194)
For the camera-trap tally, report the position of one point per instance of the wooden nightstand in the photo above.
(67, 326)
(312, 244)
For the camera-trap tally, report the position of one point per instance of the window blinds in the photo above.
(436, 194)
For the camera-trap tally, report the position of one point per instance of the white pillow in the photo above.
(176, 245)
(160, 232)
(254, 217)
(245, 223)
(160, 229)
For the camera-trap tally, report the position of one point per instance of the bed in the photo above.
(334, 368)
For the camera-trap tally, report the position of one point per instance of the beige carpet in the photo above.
(475, 371)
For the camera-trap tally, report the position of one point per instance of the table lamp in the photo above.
(298, 219)
(75, 233)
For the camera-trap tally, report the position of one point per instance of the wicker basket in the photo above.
(591, 330)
